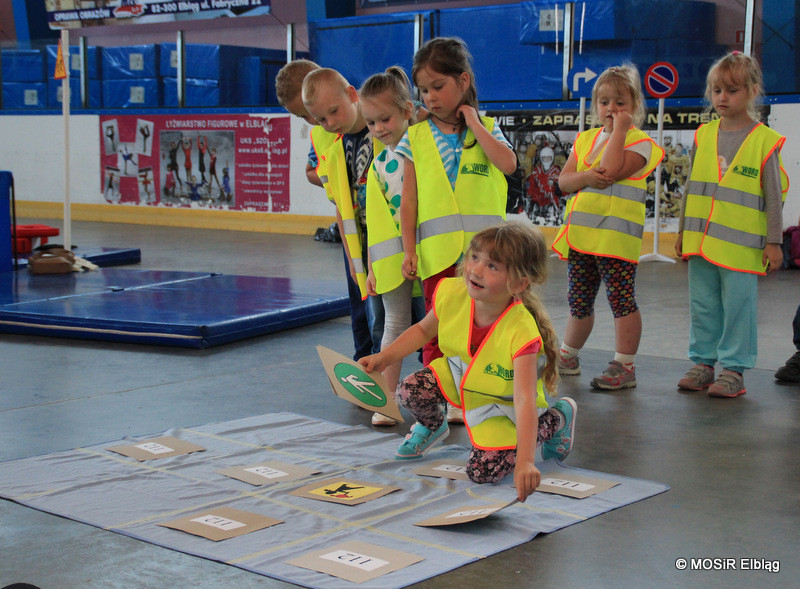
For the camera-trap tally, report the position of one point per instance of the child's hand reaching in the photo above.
(596, 178)
(375, 362)
(526, 478)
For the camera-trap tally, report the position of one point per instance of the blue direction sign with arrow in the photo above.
(581, 82)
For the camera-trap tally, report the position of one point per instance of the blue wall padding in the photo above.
(134, 61)
(93, 67)
(24, 95)
(6, 180)
(131, 93)
(23, 65)
(620, 20)
(360, 46)
(200, 92)
(505, 70)
(54, 91)
(207, 62)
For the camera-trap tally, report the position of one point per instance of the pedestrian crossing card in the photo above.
(350, 382)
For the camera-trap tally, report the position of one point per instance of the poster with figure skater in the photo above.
(144, 134)
(232, 162)
(110, 132)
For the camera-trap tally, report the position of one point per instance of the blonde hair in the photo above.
(289, 81)
(317, 79)
(622, 77)
(523, 250)
(394, 81)
(740, 69)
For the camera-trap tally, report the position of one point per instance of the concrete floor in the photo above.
(731, 464)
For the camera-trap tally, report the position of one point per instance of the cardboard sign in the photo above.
(356, 562)
(463, 515)
(221, 523)
(444, 469)
(165, 447)
(267, 473)
(350, 382)
(344, 491)
(564, 482)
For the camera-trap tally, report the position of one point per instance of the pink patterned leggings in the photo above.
(420, 394)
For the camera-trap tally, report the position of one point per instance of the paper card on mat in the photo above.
(350, 382)
(564, 482)
(463, 515)
(267, 473)
(444, 469)
(344, 491)
(356, 562)
(221, 523)
(165, 447)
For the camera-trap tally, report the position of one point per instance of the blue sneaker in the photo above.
(420, 441)
(559, 446)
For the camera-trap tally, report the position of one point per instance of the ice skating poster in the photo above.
(232, 162)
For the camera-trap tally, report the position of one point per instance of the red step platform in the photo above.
(32, 236)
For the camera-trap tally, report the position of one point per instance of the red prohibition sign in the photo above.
(661, 79)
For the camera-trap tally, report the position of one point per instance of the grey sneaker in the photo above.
(569, 367)
(729, 384)
(790, 372)
(615, 377)
(698, 378)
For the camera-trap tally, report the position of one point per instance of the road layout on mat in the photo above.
(115, 492)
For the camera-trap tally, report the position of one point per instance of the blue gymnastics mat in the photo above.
(183, 309)
(102, 488)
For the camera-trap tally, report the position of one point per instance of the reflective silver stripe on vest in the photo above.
(324, 178)
(475, 417)
(386, 249)
(349, 226)
(739, 197)
(624, 191)
(694, 224)
(439, 226)
(701, 188)
(475, 223)
(736, 237)
(584, 219)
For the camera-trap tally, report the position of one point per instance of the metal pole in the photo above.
(291, 53)
(749, 23)
(84, 57)
(181, 50)
(65, 98)
(569, 11)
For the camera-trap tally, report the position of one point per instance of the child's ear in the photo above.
(352, 94)
(464, 81)
(520, 286)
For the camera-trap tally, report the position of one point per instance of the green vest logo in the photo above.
(494, 369)
(746, 171)
(360, 385)
(477, 169)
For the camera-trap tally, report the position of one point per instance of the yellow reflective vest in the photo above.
(447, 218)
(607, 222)
(725, 219)
(383, 235)
(337, 186)
(321, 140)
(483, 385)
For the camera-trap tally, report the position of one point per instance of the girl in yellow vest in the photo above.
(386, 105)
(601, 236)
(494, 333)
(454, 183)
(730, 228)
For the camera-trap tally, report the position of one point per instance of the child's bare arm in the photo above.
(408, 220)
(526, 476)
(500, 154)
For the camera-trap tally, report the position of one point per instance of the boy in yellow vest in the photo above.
(333, 102)
(289, 87)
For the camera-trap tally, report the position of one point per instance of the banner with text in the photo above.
(233, 162)
(79, 13)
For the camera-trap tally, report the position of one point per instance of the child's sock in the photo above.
(568, 352)
(625, 359)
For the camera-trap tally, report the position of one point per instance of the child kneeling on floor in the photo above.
(493, 330)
